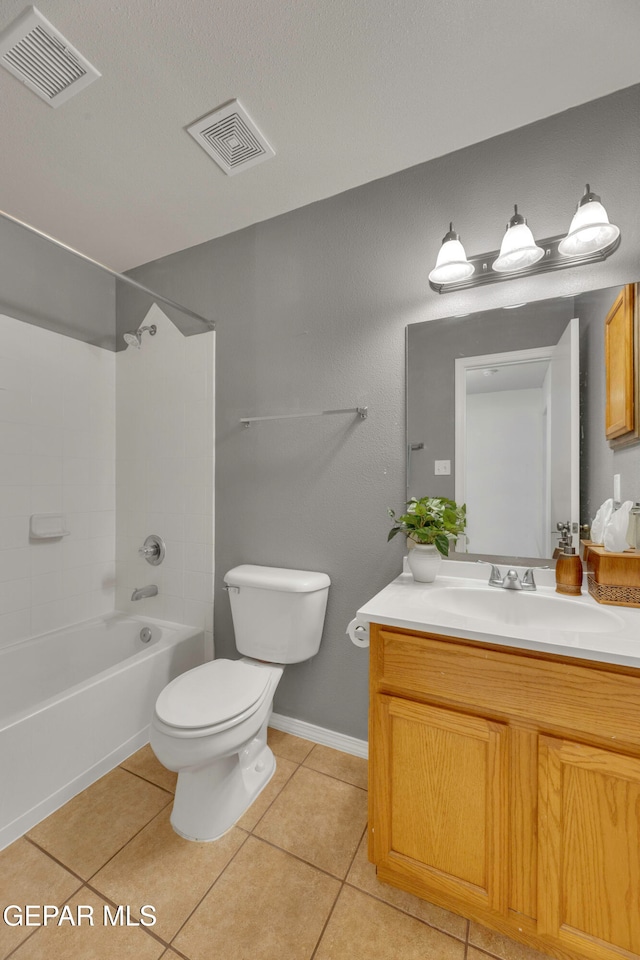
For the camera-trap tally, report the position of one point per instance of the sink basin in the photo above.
(524, 609)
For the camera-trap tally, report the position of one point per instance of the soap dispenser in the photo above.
(569, 572)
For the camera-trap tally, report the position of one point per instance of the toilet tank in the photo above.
(278, 614)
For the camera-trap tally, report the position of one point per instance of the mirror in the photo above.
(517, 436)
(505, 412)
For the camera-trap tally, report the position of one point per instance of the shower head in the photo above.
(135, 339)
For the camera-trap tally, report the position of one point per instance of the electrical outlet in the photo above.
(616, 487)
(442, 468)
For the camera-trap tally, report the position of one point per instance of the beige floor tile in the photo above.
(163, 869)
(145, 763)
(500, 946)
(317, 818)
(338, 764)
(363, 876)
(474, 954)
(361, 926)
(287, 746)
(284, 770)
(265, 906)
(89, 829)
(84, 942)
(27, 875)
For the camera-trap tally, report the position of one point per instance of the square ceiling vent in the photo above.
(230, 136)
(38, 55)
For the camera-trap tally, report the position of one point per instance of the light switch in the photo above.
(442, 468)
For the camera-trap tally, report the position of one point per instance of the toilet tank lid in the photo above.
(276, 578)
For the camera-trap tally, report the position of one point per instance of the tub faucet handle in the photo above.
(153, 550)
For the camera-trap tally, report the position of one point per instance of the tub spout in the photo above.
(140, 593)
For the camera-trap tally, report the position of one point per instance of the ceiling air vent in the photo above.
(38, 55)
(230, 136)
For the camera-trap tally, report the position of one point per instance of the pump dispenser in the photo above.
(569, 572)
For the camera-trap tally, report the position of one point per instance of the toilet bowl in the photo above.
(210, 723)
(210, 726)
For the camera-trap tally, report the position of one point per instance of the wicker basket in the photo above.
(610, 593)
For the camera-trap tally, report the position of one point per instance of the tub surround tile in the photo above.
(382, 932)
(145, 764)
(287, 746)
(92, 827)
(284, 771)
(97, 942)
(27, 875)
(156, 457)
(263, 900)
(317, 818)
(363, 875)
(57, 423)
(159, 867)
(337, 764)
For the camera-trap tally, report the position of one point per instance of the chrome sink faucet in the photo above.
(511, 580)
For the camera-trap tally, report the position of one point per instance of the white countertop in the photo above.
(414, 606)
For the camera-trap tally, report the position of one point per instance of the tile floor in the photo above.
(290, 881)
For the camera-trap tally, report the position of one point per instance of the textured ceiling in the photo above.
(346, 91)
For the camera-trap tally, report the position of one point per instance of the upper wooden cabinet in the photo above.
(621, 341)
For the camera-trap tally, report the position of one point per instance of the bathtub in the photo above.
(75, 703)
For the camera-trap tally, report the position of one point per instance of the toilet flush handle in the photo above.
(230, 586)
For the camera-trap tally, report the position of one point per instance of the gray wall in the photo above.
(42, 284)
(311, 309)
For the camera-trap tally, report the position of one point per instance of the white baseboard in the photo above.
(328, 738)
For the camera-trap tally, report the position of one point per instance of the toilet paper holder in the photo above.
(358, 632)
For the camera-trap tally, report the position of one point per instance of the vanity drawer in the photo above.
(592, 699)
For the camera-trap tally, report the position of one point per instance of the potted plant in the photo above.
(430, 523)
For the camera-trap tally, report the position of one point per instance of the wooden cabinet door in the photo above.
(589, 849)
(619, 366)
(439, 803)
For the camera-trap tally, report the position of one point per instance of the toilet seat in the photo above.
(214, 696)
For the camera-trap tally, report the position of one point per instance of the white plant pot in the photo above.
(424, 562)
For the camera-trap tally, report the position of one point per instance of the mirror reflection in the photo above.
(506, 413)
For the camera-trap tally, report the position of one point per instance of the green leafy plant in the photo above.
(434, 520)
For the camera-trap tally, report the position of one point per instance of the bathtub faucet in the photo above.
(140, 593)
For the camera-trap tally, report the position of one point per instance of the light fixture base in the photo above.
(552, 260)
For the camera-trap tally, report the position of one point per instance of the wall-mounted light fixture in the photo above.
(590, 238)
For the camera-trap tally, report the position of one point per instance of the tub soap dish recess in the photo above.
(47, 526)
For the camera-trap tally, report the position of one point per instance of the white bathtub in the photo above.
(75, 703)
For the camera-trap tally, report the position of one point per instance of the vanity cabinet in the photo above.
(505, 786)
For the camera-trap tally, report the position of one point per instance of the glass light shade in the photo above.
(589, 232)
(452, 265)
(518, 250)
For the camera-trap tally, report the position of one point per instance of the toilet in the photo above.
(210, 723)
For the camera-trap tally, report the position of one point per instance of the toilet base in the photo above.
(209, 801)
